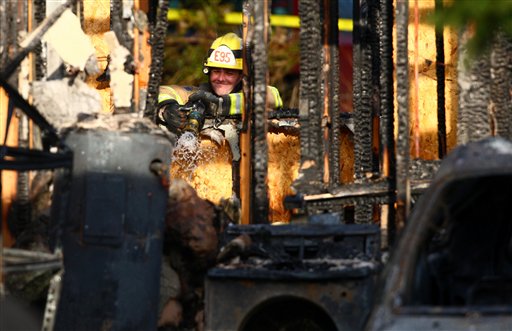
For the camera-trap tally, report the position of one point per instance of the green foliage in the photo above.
(485, 16)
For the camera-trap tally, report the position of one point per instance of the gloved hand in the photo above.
(215, 106)
(172, 116)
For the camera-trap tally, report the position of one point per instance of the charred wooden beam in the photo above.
(475, 78)
(387, 110)
(377, 192)
(402, 77)
(260, 148)
(362, 90)
(157, 40)
(330, 94)
(500, 107)
(366, 97)
(441, 76)
(243, 172)
(310, 102)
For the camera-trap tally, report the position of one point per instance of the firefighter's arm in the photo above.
(169, 113)
(236, 101)
(233, 103)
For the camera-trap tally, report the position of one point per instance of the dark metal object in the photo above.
(452, 267)
(108, 215)
(316, 275)
(20, 260)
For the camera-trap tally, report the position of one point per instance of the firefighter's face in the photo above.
(223, 80)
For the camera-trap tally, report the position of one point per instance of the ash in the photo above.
(319, 264)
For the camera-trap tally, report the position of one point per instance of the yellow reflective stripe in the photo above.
(287, 21)
(235, 106)
(277, 97)
(168, 93)
(236, 103)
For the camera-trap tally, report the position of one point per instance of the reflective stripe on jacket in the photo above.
(181, 94)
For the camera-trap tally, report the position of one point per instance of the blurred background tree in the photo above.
(486, 18)
(484, 66)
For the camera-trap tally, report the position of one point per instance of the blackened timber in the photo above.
(330, 117)
(310, 103)
(355, 194)
(40, 63)
(259, 149)
(387, 125)
(244, 186)
(501, 85)
(363, 94)
(402, 77)
(377, 192)
(365, 107)
(475, 81)
(23, 215)
(157, 40)
(441, 76)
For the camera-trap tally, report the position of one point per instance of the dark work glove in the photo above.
(215, 106)
(172, 116)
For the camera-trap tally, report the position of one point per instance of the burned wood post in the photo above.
(402, 77)
(387, 109)
(259, 151)
(331, 121)
(253, 138)
(310, 102)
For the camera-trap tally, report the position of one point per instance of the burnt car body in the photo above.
(452, 266)
(296, 277)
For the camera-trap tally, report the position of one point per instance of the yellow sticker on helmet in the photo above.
(223, 55)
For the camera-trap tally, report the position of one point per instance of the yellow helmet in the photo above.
(225, 52)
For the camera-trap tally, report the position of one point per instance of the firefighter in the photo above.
(184, 108)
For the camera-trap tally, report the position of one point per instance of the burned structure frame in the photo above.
(384, 174)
